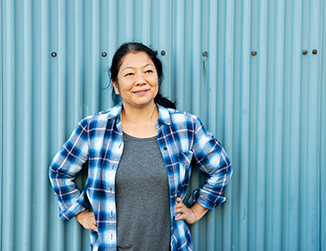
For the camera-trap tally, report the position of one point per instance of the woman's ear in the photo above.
(115, 86)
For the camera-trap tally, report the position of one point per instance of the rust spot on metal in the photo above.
(314, 51)
(304, 52)
(163, 53)
(204, 68)
(204, 53)
(254, 53)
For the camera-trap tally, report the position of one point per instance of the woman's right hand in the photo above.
(87, 220)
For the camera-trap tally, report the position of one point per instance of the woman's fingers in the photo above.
(183, 212)
(87, 220)
(94, 228)
(180, 209)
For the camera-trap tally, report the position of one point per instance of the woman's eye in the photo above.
(129, 74)
(149, 71)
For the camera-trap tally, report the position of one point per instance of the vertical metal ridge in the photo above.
(1, 118)
(313, 132)
(45, 193)
(95, 64)
(2, 110)
(104, 60)
(59, 21)
(179, 52)
(256, 241)
(295, 12)
(27, 162)
(322, 152)
(9, 126)
(62, 66)
(78, 61)
(228, 108)
(195, 59)
(211, 65)
(278, 52)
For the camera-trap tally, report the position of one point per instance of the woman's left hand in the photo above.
(190, 215)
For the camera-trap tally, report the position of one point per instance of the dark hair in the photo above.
(134, 47)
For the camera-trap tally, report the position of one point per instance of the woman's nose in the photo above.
(140, 79)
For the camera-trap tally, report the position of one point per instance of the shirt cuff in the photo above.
(208, 202)
(75, 209)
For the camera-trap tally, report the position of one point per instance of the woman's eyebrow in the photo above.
(149, 64)
(128, 67)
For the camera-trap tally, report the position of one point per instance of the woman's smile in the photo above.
(141, 92)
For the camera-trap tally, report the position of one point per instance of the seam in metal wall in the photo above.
(241, 66)
(1, 117)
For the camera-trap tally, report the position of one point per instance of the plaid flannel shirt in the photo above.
(98, 140)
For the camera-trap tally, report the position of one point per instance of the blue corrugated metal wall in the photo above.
(268, 109)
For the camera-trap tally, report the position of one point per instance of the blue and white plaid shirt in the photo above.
(98, 139)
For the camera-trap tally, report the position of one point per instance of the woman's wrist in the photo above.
(81, 215)
(199, 211)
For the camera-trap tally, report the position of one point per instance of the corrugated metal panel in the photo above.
(268, 110)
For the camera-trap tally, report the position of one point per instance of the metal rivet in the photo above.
(304, 52)
(254, 53)
(314, 51)
(204, 53)
(163, 53)
(54, 54)
(104, 54)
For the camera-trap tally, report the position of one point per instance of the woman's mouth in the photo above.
(141, 92)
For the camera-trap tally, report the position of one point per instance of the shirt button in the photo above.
(165, 148)
(171, 169)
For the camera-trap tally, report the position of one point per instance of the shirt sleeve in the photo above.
(64, 168)
(211, 158)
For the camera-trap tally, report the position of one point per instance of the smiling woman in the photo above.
(140, 154)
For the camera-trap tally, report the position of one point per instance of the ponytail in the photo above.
(159, 99)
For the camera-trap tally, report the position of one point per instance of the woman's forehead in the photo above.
(136, 59)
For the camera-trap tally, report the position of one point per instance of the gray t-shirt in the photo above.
(142, 197)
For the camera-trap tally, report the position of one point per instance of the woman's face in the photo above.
(137, 82)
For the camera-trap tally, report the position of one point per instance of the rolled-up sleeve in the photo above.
(64, 168)
(212, 159)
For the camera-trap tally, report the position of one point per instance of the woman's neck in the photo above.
(140, 122)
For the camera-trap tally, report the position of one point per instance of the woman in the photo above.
(139, 155)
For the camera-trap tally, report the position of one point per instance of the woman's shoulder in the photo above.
(179, 116)
(103, 116)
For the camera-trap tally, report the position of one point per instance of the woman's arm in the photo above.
(64, 168)
(211, 158)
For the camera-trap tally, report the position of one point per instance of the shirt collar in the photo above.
(164, 115)
(115, 111)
